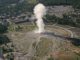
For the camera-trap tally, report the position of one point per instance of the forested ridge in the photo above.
(24, 4)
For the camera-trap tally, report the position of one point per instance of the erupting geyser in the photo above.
(39, 12)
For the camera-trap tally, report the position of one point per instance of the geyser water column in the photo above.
(39, 12)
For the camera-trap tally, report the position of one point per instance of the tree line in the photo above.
(27, 5)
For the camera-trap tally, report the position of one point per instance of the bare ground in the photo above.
(29, 45)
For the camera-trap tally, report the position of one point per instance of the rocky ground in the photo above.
(55, 43)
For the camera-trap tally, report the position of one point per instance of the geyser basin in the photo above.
(23, 39)
(27, 43)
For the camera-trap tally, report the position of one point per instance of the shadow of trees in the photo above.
(74, 41)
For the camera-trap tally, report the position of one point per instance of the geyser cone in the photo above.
(39, 12)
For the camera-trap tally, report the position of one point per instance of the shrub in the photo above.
(3, 28)
(4, 39)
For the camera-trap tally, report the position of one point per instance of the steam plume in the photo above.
(39, 12)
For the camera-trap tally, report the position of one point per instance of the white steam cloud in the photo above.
(39, 12)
